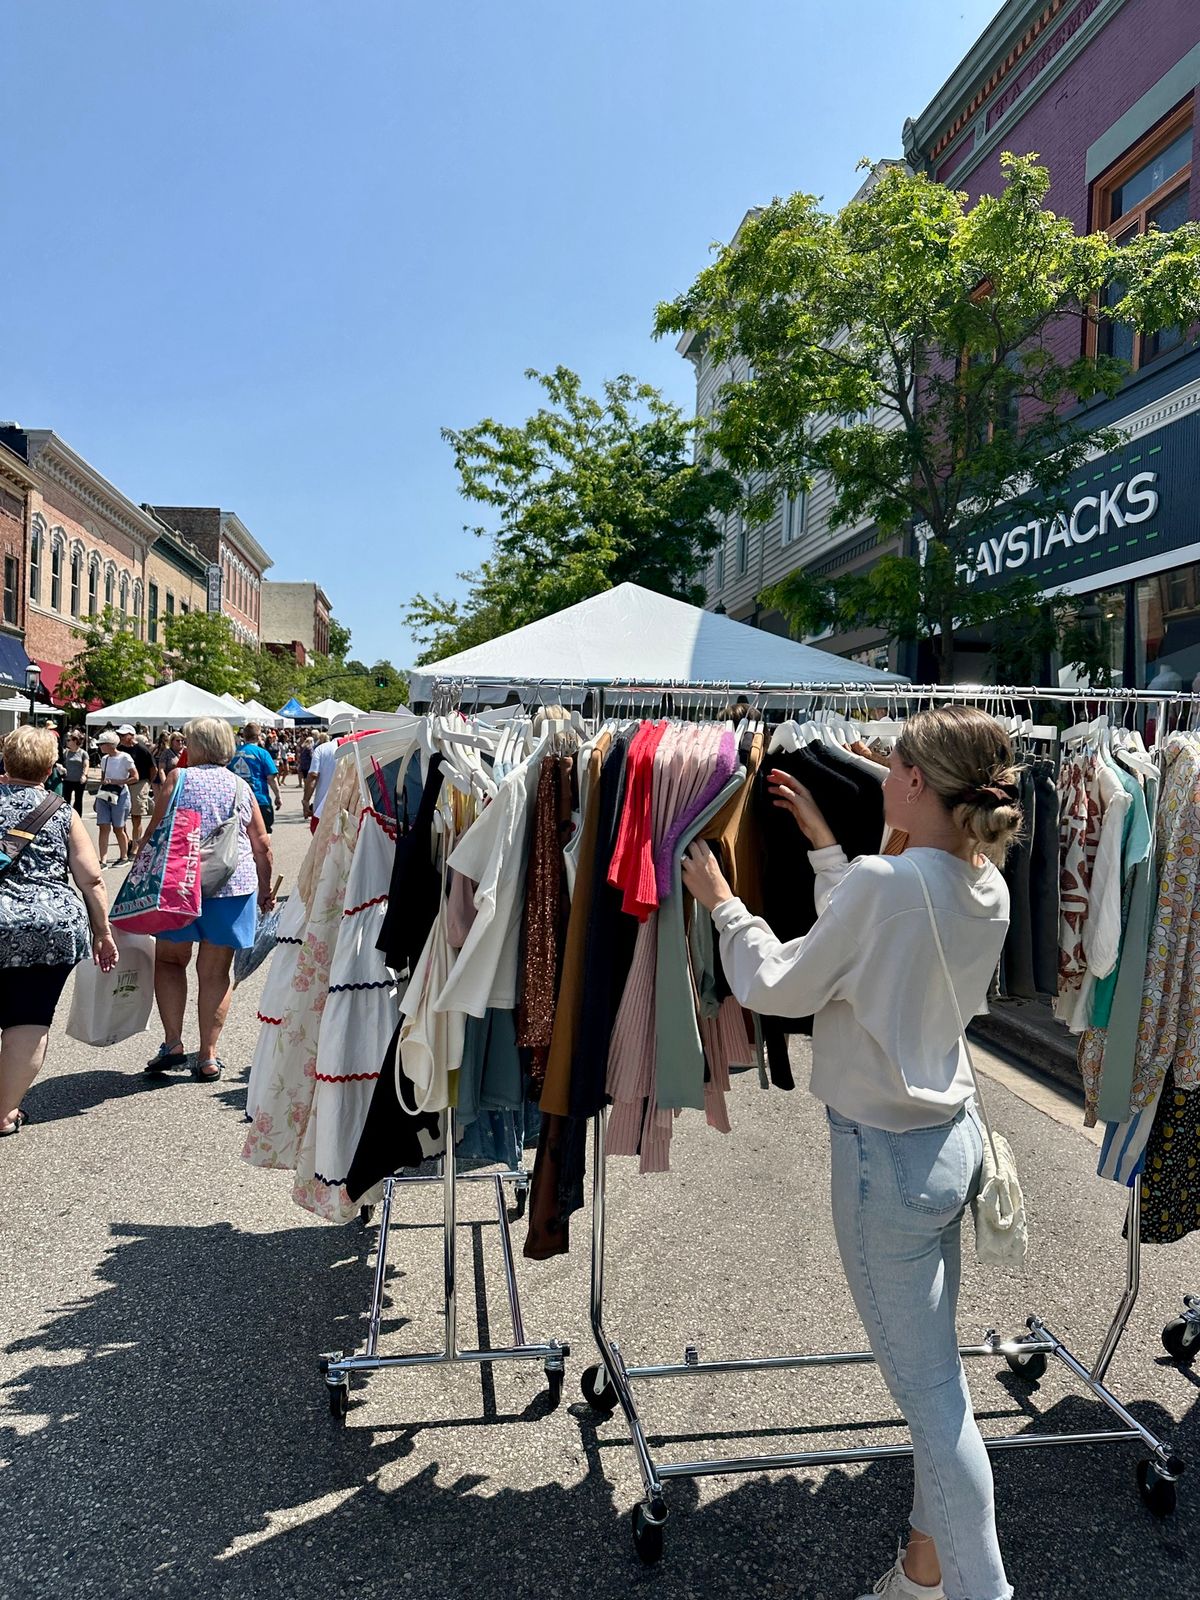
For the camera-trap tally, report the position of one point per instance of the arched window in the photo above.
(93, 584)
(138, 599)
(57, 549)
(110, 583)
(76, 578)
(124, 594)
(37, 538)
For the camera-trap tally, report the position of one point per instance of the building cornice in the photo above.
(989, 70)
(56, 462)
(14, 470)
(236, 531)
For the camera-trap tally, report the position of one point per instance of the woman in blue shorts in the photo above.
(228, 918)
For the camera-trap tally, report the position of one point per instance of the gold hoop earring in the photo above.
(910, 797)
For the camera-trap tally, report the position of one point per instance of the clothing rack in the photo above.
(610, 1383)
(1181, 1336)
(338, 1368)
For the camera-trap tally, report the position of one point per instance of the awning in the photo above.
(13, 662)
(51, 673)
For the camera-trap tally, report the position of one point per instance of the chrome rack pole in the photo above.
(450, 1238)
(385, 1223)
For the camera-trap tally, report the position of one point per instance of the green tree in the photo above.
(114, 664)
(203, 649)
(590, 492)
(925, 327)
(339, 640)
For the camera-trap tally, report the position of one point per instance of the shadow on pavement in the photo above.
(170, 1437)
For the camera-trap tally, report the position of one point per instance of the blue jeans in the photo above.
(898, 1202)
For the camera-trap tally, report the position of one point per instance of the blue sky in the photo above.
(259, 252)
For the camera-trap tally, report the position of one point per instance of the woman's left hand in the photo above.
(104, 951)
(703, 878)
(266, 901)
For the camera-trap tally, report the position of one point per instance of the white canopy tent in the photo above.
(634, 634)
(171, 704)
(328, 709)
(255, 711)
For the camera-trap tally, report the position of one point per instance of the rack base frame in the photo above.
(609, 1385)
(338, 1368)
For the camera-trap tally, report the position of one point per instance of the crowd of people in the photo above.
(46, 855)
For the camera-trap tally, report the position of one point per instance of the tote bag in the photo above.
(162, 891)
(107, 1007)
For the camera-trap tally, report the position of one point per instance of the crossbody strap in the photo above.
(962, 1032)
(30, 826)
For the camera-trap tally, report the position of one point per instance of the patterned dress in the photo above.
(42, 919)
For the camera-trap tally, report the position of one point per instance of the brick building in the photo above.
(85, 548)
(236, 563)
(1105, 91)
(295, 618)
(16, 482)
(176, 579)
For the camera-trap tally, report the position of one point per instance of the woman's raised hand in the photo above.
(703, 878)
(790, 795)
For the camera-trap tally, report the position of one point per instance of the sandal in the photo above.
(19, 1121)
(164, 1060)
(201, 1076)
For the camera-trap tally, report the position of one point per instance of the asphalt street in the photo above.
(164, 1430)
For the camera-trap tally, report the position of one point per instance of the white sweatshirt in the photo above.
(886, 1049)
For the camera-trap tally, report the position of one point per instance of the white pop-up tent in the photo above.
(635, 634)
(328, 709)
(171, 704)
(255, 711)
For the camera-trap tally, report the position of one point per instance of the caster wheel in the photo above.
(1181, 1338)
(339, 1400)
(554, 1383)
(649, 1522)
(520, 1201)
(600, 1395)
(366, 1215)
(1158, 1493)
(1031, 1367)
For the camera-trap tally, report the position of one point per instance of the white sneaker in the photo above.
(897, 1585)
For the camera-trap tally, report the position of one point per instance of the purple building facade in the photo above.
(1105, 92)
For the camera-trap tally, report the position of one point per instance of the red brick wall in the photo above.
(12, 543)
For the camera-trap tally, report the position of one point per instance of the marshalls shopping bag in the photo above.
(107, 1007)
(162, 891)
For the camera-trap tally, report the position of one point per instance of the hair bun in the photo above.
(995, 794)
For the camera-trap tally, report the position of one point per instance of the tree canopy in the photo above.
(588, 492)
(924, 353)
(113, 663)
(203, 649)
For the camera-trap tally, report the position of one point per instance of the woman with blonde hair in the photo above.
(887, 1060)
(228, 916)
(45, 928)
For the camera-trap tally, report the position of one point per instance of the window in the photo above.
(1168, 615)
(719, 566)
(139, 598)
(12, 577)
(93, 585)
(170, 604)
(110, 584)
(35, 564)
(743, 545)
(152, 623)
(56, 555)
(1148, 188)
(183, 608)
(76, 580)
(794, 509)
(124, 594)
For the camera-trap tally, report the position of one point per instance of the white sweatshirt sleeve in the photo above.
(784, 980)
(830, 866)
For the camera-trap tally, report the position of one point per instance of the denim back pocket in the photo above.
(934, 1166)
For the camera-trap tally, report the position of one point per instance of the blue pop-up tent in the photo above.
(296, 712)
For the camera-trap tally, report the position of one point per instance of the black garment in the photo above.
(28, 995)
(416, 883)
(1169, 1185)
(143, 760)
(610, 940)
(268, 815)
(852, 803)
(73, 794)
(1043, 879)
(1016, 959)
(395, 1136)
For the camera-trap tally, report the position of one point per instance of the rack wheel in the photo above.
(1031, 1367)
(1181, 1338)
(366, 1215)
(1158, 1493)
(600, 1395)
(520, 1201)
(649, 1522)
(554, 1383)
(339, 1400)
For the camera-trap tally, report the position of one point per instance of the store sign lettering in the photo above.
(1093, 515)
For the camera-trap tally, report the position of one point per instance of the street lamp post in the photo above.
(33, 682)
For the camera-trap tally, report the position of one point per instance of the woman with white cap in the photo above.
(117, 773)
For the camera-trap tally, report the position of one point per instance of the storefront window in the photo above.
(1168, 630)
(1101, 619)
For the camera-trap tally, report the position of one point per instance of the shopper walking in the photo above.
(75, 771)
(45, 928)
(228, 917)
(257, 766)
(117, 774)
(142, 757)
(907, 1143)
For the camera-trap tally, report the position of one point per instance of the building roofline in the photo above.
(241, 535)
(54, 457)
(170, 538)
(15, 468)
